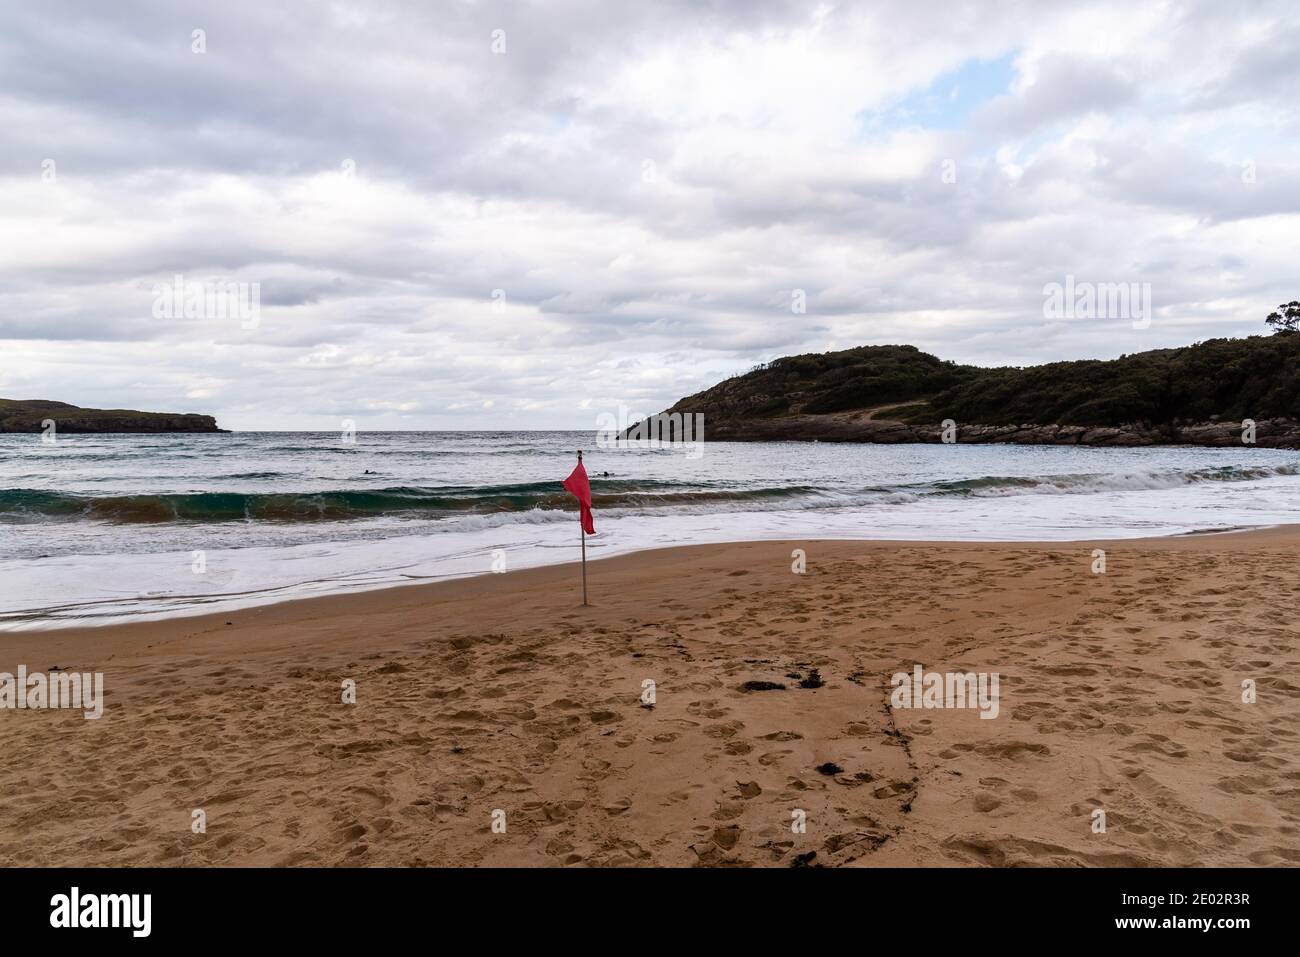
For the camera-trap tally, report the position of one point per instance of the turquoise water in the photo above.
(99, 528)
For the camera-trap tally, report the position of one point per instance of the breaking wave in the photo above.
(28, 505)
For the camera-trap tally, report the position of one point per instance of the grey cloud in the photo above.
(524, 172)
(1066, 87)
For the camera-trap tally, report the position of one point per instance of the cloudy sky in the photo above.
(520, 215)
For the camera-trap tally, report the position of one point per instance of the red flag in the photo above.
(580, 488)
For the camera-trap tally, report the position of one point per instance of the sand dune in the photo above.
(1119, 691)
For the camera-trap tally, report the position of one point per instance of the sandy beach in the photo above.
(1119, 691)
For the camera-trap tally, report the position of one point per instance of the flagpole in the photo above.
(583, 533)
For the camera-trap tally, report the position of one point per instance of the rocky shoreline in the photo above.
(1269, 433)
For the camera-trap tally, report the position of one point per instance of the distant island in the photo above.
(28, 415)
(1195, 395)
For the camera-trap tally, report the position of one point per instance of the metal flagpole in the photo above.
(583, 532)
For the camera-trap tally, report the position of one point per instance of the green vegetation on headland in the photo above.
(1198, 394)
(29, 415)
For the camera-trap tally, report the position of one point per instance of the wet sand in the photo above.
(1119, 691)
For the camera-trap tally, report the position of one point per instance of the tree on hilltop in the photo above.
(1286, 319)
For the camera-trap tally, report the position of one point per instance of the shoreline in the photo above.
(561, 572)
(1120, 691)
(861, 428)
(46, 626)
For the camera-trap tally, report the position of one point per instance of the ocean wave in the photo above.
(1076, 483)
(343, 504)
(362, 447)
(616, 495)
